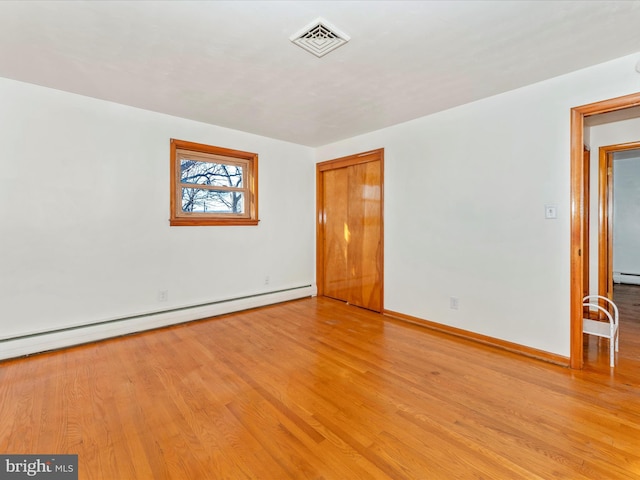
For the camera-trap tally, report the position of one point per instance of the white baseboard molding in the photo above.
(66, 337)
(629, 278)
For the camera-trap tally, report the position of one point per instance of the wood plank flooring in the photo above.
(315, 389)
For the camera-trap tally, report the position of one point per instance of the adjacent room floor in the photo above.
(596, 350)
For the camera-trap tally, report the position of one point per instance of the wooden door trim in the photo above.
(586, 163)
(605, 215)
(577, 211)
(356, 159)
(604, 220)
(343, 162)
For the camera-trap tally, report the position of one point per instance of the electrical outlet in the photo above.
(454, 303)
(163, 295)
(267, 280)
(550, 211)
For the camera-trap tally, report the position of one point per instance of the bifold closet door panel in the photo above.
(365, 228)
(336, 233)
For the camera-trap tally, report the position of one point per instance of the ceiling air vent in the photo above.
(319, 37)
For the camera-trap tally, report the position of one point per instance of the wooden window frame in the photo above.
(248, 160)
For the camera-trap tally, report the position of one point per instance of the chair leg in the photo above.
(612, 355)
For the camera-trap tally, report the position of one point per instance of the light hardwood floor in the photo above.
(320, 390)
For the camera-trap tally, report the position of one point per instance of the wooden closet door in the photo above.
(364, 221)
(350, 230)
(336, 233)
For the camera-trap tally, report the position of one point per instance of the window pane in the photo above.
(204, 173)
(211, 201)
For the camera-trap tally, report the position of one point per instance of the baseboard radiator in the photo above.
(39, 342)
(629, 278)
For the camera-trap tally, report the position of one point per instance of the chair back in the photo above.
(613, 319)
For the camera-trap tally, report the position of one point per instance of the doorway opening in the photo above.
(607, 198)
(579, 209)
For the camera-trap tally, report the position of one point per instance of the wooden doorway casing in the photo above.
(605, 215)
(578, 209)
(586, 164)
(366, 293)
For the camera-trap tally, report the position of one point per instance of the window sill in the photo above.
(209, 222)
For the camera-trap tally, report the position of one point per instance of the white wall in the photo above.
(613, 133)
(626, 216)
(84, 208)
(465, 191)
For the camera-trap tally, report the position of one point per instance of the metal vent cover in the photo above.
(319, 37)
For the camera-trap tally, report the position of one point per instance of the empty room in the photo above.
(330, 240)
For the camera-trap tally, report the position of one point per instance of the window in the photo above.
(212, 185)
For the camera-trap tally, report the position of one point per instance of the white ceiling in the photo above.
(230, 63)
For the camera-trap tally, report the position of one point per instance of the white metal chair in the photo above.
(603, 329)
